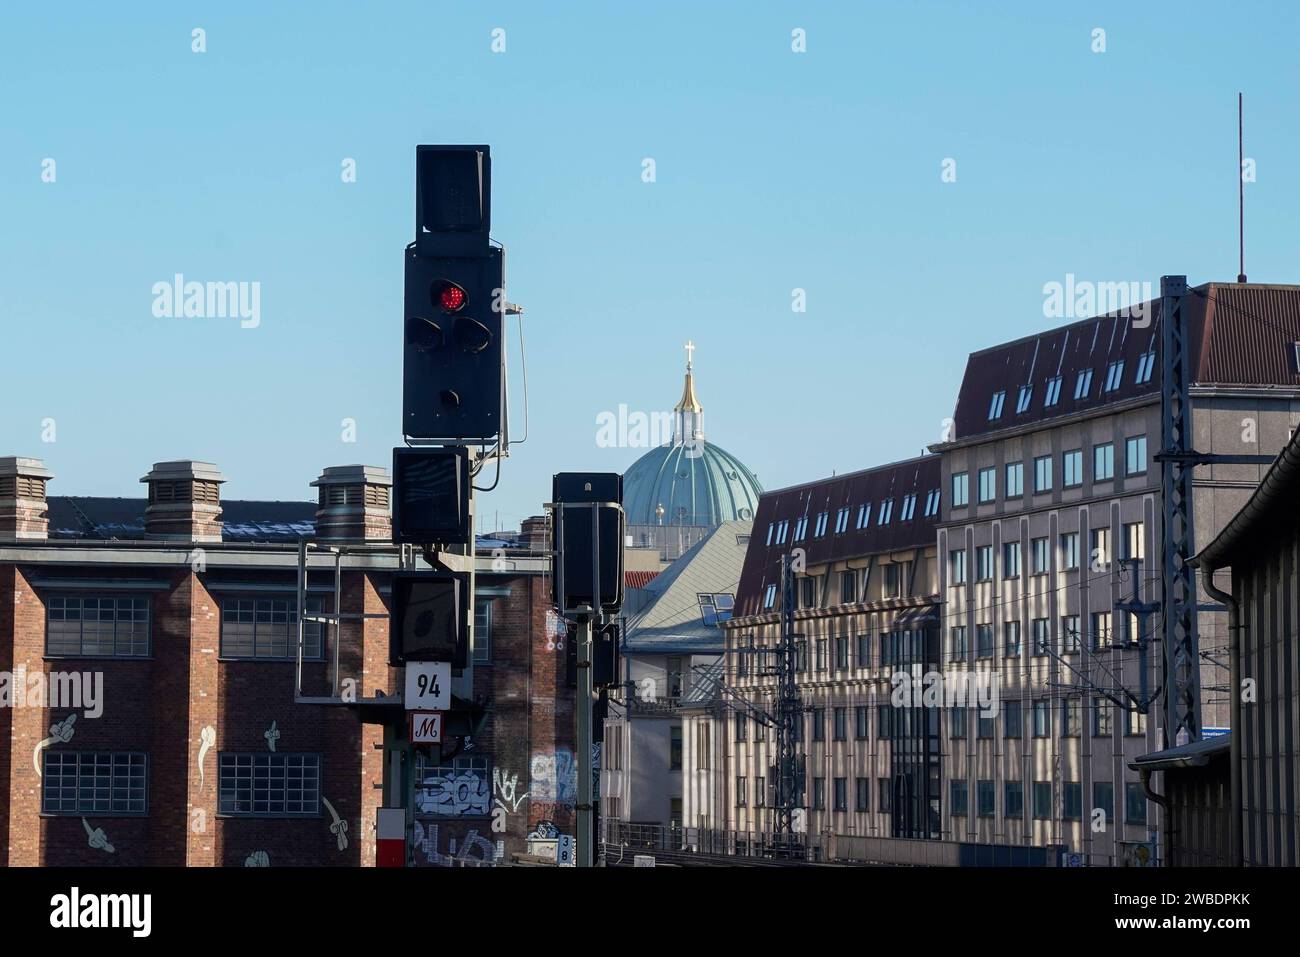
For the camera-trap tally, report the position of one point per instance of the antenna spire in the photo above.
(1241, 198)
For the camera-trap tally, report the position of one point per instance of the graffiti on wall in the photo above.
(207, 738)
(453, 792)
(554, 778)
(472, 850)
(61, 732)
(505, 798)
(97, 839)
(339, 827)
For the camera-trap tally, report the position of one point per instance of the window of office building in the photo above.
(1011, 719)
(1042, 719)
(1011, 639)
(1042, 800)
(1103, 462)
(1072, 468)
(1013, 800)
(1070, 634)
(960, 489)
(957, 561)
(1010, 560)
(1135, 455)
(958, 798)
(1043, 473)
(1015, 480)
(1070, 550)
(1042, 554)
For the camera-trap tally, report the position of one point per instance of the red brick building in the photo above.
(148, 668)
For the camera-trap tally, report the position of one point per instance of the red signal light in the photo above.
(449, 296)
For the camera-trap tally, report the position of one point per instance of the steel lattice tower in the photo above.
(788, 709)
(1177, 459)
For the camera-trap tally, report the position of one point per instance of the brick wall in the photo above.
(166, 704)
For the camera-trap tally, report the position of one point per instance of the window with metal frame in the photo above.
(103, 783)
(263, 628)
(1024, 398)
(93, 626)
(842, 520)
(1042, 474)
(1015, 480)
(716, 608)
(1053, 392)
(1135, 455)
(1103, 462)
(960, 489)
(1146, 364)
(270, 784)
(995, 405)
(1114, 375)
(482, 632)
(932, 503)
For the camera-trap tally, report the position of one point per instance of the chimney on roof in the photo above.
(535, 533)
(184, 502)
(353, 504)
(23, 509)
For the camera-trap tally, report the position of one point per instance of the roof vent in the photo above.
(22, 499)
(184, 501)
(353, 505)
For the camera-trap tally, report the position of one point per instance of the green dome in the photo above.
(694, 481)
(697, 484)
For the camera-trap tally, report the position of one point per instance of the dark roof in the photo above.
(918, 476)
(1268, 513)
(1196, 754)
(87, 517)
(81, 517)
(1239, 334)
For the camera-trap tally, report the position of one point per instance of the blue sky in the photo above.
(774, 170)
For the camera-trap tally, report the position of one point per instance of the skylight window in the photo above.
(1023, 400)
(1114, 375)
(1146, 363)
(715, 609)
(995, 406)
(864, 515)
(1053, 394)
(769, 596)
(800, 528)
(1083, 384)
(820, 528)
(886, 512)
(909, 508)
(842, 520)
(932, 503)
